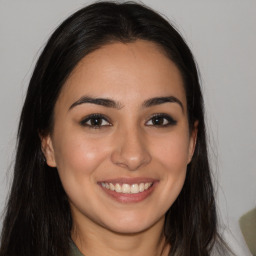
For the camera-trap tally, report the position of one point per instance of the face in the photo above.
(121, 141)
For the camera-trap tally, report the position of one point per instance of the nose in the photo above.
(130, 150)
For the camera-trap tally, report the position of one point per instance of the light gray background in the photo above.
(222, 36)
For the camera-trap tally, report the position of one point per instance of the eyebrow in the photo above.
(162, 100)
(97, 101)
(117, 105)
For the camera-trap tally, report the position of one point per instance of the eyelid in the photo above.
(95, 116)
(169, 118)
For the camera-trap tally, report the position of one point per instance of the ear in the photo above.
(48, 150)
(192, 141)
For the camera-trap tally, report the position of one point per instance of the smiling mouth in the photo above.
(127, 188)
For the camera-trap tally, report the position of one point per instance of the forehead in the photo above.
(128, 72)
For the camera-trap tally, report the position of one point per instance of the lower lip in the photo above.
(130, 198)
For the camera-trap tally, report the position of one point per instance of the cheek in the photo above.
(173, 152)
(77, 157)
(172, 155)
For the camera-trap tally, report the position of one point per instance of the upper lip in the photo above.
(130, 181)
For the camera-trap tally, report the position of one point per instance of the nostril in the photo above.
(130, 149)
(130, 160)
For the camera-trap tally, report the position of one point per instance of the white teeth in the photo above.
(126, 188)
(141, 187)
(134, 188)
(146, 186)
(111, 186)
(118, 188)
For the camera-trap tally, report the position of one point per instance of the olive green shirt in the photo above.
(74, 250)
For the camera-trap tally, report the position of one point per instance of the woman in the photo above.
(112, 155)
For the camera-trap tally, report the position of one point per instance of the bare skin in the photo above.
(121, 123)
(105, 242)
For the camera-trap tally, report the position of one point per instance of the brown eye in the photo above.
(95, 121)
(161, 120)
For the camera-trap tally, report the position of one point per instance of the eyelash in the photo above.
(95, 117)
(165, 119)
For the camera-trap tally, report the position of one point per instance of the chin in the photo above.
(133, 225)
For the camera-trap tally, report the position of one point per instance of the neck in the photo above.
(96, 240)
